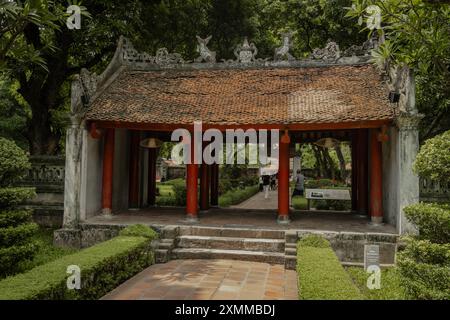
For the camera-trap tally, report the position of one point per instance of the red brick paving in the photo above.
(209, 280)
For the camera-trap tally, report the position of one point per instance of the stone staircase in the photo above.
(193, 242)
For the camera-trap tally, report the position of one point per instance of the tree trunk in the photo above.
(341, 162)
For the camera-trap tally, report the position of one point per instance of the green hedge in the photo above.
(12, 196)
(431, 219)
(425, 269)
(103, 267)
(236, 196)
(320, 274)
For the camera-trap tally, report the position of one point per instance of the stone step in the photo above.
(161, 256)
(291, 245)
(290, 251)
(290, 262)
(256, 256)
(231, 243)
(231, 232)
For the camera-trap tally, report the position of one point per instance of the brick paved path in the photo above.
(209, 279)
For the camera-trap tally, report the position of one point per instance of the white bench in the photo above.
(326, 194)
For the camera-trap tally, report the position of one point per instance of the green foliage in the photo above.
(391, 286)
(424, 264)
(314, 241)
(103, 267)
(13, 162)
(299, 203)
(16, 228)
(14, 196)
(179, 189)
(236, 196)
(424, 280)
(433, 159)
(139, 230)
(432, 221)
(320, 274)
(417, 34)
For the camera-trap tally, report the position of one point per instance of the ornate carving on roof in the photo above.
(162, 57)
(205, 54)
(84, 86)
(282, 53)
(364, 49)
(331, 52)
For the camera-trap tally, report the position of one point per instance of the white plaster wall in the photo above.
(91, 176)
(391, 177)
(408, 181)
(121, 171)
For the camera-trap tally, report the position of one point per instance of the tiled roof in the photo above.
(252, 96)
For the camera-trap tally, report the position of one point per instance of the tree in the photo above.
(16, 230)
(46, 86)
(433, 159)
(418, 35)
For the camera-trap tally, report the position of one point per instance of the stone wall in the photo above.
(47, 176)
(434, 191)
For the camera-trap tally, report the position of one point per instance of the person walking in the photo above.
(299, 188)
(266, 185)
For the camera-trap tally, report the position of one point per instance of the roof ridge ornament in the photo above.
(246, 52)
(205, 54)
(282, 53)
(364, 49)
(163, 57)
(330, 52)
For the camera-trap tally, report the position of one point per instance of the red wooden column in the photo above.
(362, 174)
(108, 166)
(214, 184)
(376, 179)
(204, 186)
(133, 191)
(283, 179)
(192, 186)
(354, 142)
(152, 156)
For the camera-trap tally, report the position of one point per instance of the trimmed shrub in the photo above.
(236, 196)
(13, 162)
(431, 219)
(425, 269)
(103, 267)
(16, 228)
(179, 189)
(139, 230)
(320, 274)
(433, 159)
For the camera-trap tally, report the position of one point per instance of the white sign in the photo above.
(328, 194)
(371, 255)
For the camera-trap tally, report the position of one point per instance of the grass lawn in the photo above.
(165, 190)
(47, 251)
(391, 288)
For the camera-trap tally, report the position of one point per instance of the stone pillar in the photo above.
(133, 192)
(72, 183)
(283, 179)
(152, 157)
(376, 178)
(408, 181)
(214, 175)
(108, 171)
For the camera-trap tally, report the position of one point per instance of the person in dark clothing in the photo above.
(299, 184)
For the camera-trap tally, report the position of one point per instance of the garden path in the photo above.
(209, 280)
